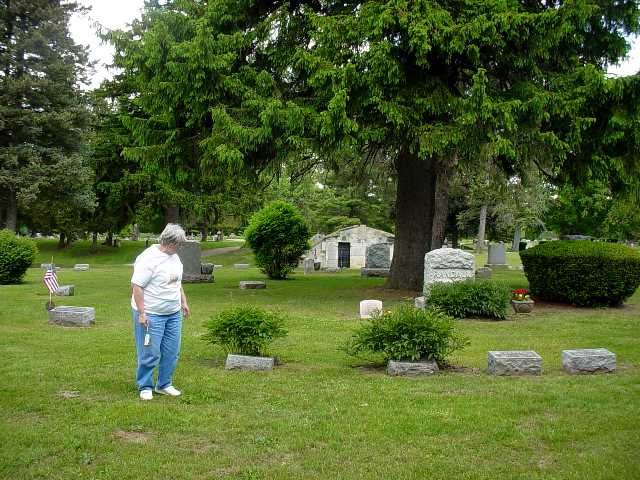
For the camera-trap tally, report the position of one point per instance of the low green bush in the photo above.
(279, 236)
(245, 330)
(16, 255)
(471, 298)
(408, 333)
(581, 272)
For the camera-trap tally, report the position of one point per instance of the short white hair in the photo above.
(173, 234)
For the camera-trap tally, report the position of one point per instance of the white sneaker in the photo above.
(170, 390)
(146, 394)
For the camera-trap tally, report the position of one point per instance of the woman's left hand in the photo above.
(186, 311)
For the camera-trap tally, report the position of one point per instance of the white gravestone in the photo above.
(447, 265)
(241, 266)
(248, 363)
(515, 362)
(369, 307)
(420, 303)
(588, 360)
(72, 316)
(65, 291)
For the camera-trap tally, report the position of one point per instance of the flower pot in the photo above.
(522, 306)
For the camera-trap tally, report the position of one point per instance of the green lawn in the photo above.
(70, 407)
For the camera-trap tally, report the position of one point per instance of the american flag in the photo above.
(50, 280)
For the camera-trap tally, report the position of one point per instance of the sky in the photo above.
(115, 14)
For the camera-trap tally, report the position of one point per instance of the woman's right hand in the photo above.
(142, 319)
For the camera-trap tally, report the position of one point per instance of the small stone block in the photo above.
(588, 360)
(420, 302)
(375, 272)
(197, 278)
(395, 368)
(248, 363)
(65, 291)
(250, 284)
(241, 266)
(81, 267)
(72, 316)
(369, 307)
(516, 362)
(215, 267)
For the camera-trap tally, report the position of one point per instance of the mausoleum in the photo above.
(347, 247)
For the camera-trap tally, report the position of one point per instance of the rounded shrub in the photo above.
(471, 298)
(16, 255)
(583, 273)
(245, 329)
(278, 235)
(408, 333)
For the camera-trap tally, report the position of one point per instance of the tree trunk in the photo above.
(517, 235)
(135, 234)
(61, 241)
(455, 237)
(414, 219)
(481, 228)
(11, 221)
(441, 201)
(171, 214)
(109, 240)
(94, 242)
(204, 233)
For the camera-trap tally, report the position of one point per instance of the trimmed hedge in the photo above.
(278, 235)
(16, 255)
(471, 298)
(582, 272)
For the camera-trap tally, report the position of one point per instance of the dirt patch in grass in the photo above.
(131, 437)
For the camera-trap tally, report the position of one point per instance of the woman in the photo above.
(158, 304)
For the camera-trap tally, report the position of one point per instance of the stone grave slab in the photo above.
(408, 368)
(369, 307)
(378, 255)
(483, 272)
(589, 360)
(447, 265)
(375, 272)
(72, 316)
(307, 265)
(216, 267)
(241, 266)
(514, 362)
(65, 291)
(420, 302)
(252, 284)
(191, 257)
(497, 257)
(197, 278)
(81, 267)
(248, 363)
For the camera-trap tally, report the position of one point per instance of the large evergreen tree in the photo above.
(422, 85)
(43, 116)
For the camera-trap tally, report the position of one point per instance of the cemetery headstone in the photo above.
(215, 267)
(378, 256)
(65, 291)
(447, 265)
(515, 362)
(420, 303)
(375, 272)
(369, 307)
(589, 360)
(81, 267)
(483, 272)
(191, 257)
(72, 316)
(308, 266)
(248, 363)
(252, 284)
(428, 367)
(497, 256)
(206, 268)
(241, 266)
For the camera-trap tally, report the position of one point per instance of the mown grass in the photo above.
(70, 405)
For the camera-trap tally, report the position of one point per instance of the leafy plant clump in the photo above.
(582, 272)
(16, 255)
(244, 330)
(471, 298)
(408, 333)
(279, 236)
